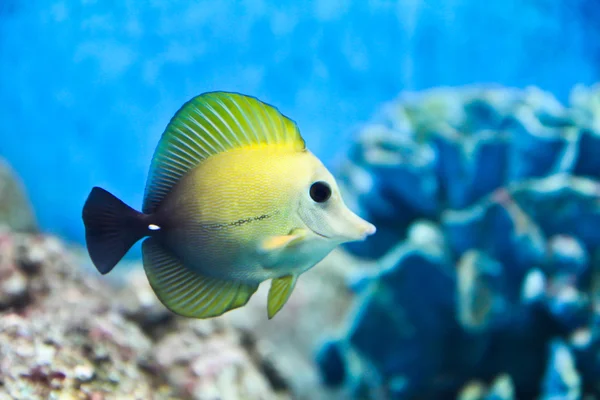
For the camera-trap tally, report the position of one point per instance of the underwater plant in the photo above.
(486, 281)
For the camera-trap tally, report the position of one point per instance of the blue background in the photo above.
(87, 87)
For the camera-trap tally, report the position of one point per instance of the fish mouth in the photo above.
(320, 234)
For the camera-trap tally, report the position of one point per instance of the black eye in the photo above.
(320, 192)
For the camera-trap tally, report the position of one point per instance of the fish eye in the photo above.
(320, 192)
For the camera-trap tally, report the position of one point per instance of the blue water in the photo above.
(86, 87)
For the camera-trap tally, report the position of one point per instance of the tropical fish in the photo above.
(233, 198)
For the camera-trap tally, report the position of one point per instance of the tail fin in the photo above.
(111, 228)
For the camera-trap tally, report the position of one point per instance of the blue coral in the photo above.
(487, 201)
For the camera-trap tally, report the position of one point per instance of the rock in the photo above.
(137, 301)
(319, 304)
(13, 281)
(56, 351)
(215, 365)
(65, 339)
(65, 334)
(283, 347)
(15, 209)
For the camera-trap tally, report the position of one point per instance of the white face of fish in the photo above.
(324, 212)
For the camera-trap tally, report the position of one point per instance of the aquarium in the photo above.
(300, 200)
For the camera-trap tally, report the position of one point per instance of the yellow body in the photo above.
(222, 211)
(234, 198)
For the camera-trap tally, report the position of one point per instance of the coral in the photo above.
(501, 389)
(485, 281)
(67, 334)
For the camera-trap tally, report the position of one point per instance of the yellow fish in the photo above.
(233, 198)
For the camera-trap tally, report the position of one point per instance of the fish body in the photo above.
(220, 234)
(233, 198)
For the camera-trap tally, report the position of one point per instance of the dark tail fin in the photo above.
(111, 228)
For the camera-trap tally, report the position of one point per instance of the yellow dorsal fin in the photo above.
(209, 124)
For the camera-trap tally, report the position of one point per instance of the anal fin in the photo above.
(186, 292)
(279, 293)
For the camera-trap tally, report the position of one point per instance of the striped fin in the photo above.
(187, 293)
(279, 293)
(209, 124)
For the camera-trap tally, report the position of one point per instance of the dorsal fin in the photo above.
(209, 124)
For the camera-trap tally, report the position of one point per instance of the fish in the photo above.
(233, 198)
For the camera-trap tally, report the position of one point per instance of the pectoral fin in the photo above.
(275, 243)
(186, 292)
(281, 289)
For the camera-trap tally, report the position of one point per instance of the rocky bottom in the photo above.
(67, 334)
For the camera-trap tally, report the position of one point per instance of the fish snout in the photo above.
(365, 230)
(369, 229)
(356, 228)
